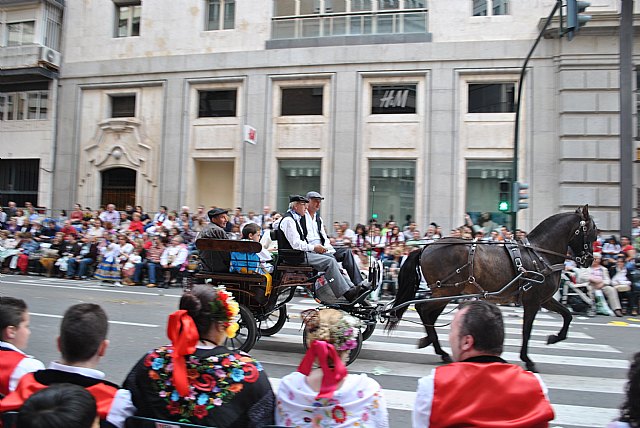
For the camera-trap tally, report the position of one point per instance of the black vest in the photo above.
(285, 250)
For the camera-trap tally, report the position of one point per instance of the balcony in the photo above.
(404, 26)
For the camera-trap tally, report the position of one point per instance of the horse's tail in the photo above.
(408, 282)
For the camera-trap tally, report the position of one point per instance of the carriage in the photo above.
(522, 272)
(263, 306)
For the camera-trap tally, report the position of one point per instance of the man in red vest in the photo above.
(480, 389)
(14, 337)
(82, 343)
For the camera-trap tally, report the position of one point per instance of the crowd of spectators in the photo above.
(132, 247)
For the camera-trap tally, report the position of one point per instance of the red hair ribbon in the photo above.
(183, 333)
(330, 375)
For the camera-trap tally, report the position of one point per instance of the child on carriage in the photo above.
(253, 262)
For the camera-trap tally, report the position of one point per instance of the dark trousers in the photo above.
(345, 256)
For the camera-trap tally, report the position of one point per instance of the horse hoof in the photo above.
(424, 342)
(551, 339)
(446, 359)
(531, 367)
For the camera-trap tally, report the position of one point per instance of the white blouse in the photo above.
(358, 402)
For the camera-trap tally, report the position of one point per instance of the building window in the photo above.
(490, 7)
(123, 105)
(395, 184)
(301, 101)
(218, 103)
(53, 26)
(491, 98)
(325, 18)
(128, 15)
(24, 105)
(221, 14)
(393, 99)
(20, 33)
(483, 192)
(296, 177)
(19, 181)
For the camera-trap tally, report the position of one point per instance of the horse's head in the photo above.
(584, 235)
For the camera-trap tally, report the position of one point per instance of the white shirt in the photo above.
(122, 406)
(313, 235)
(26, 365)
(288, 227)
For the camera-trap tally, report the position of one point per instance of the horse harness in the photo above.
(512, 248)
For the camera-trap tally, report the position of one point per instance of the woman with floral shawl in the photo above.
(196, 379)
(328, 396)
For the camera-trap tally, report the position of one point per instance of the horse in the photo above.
(456, 267)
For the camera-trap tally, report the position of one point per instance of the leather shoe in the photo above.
(618, 312)
(353, 293)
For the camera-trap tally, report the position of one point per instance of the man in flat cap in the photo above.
(317, 234)
(215, 261)
(292, 235)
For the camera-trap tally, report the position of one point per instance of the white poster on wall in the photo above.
(249, 135)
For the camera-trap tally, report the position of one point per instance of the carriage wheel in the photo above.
(274, 322)
(353, 354)
(247, 333)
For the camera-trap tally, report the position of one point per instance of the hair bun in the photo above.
(191, 304)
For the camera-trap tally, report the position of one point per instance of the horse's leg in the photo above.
(429, 315)
(531, 308)
(555, 306)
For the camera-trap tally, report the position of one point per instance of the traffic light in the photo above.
(575, 17)
(520, 196)
(504, 203)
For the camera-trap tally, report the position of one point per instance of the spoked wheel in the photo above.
(353, 354)
(274, 322)
(247, 333)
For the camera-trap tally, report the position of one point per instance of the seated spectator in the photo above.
(77, 215)
(173, 261)
(329, 395)
(448, 396)
(196, 378)
(630, 411)
(136, 225)
(27, 247)
(8, 249)
(68, 228)
(151, 262)
(62, 405)
(95, 228)
(621, 282)
(82, 343)
(600, 282)
(78, 266)
(14, 338)
(51, 253)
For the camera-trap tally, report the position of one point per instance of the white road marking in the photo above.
(136, 324)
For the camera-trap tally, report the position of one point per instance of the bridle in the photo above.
(586, 253)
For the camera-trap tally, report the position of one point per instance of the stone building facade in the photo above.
(415, 98)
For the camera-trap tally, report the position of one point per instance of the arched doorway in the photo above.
(118, 187)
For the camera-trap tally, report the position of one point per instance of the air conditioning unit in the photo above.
(50, 56)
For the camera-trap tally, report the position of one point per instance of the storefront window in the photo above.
(394, 195)
(483, 191)
(297, 177)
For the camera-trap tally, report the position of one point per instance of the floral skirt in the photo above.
(108, 271)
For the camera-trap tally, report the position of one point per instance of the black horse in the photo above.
(454, 267)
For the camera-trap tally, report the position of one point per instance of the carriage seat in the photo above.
(229, 246)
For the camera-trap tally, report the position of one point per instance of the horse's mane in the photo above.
(552, 225)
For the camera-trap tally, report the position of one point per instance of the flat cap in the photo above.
(216, 212)
(298, 198)
(314, 195)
